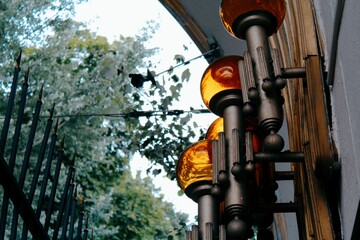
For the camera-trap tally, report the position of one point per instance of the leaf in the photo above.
(156, 172)
(185, 76)
(179, 58)
(180, 193)
(175, 78)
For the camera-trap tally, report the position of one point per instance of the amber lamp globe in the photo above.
(235, 12)
(194, 165)
(215, 128)
(221, 79)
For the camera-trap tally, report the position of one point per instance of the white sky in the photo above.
(111, 18)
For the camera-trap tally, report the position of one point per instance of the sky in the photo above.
(112, 18)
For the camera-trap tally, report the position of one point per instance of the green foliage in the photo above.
(80, 74)
(146, 217)
(25, 23)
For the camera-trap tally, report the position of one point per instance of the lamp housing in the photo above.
(238, 15)
(220, 84)
(194, 169)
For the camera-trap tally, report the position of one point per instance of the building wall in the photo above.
(345, 100)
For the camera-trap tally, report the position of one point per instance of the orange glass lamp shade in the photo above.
(250, 125)
(231, 11)
(214, 129)
(195, 164)
(220, 76)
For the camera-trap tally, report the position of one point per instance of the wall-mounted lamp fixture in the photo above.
(245, 92)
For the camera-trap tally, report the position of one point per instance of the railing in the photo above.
(42, 217)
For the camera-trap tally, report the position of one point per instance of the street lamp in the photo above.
(194, 176)
(221, 92)
(255, 21)
(238, 16)
(245, 92)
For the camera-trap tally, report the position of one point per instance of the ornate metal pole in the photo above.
(221, 93)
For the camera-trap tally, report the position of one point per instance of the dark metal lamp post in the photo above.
(245, 92)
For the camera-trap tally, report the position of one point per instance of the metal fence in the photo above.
(34, 211)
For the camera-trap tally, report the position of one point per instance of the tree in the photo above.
(27, 23)
(146, 217)
(87, 78)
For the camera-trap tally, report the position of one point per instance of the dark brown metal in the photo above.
(235, 135)
(249, 71)
(249, 149)
(244, 81)
(194, 232)
(293, 72)
(263, 65)
(279, 157)
(215, 162)
(208, 232)
(275, 53)
(222, 232)
(284, 175)
(277, 208)
(222, 152)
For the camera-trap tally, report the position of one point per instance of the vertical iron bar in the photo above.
(30, 141)
(10, 107)
(41, 156)
(80, 219)
(63, 199)
(72, 215)
(15, 145)
(26, 159)
(38, 167)
(4, 134)
(17, 196)
(86, 230)
(15, 142)
(67, 209)
(47, 169)
(54, 185)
